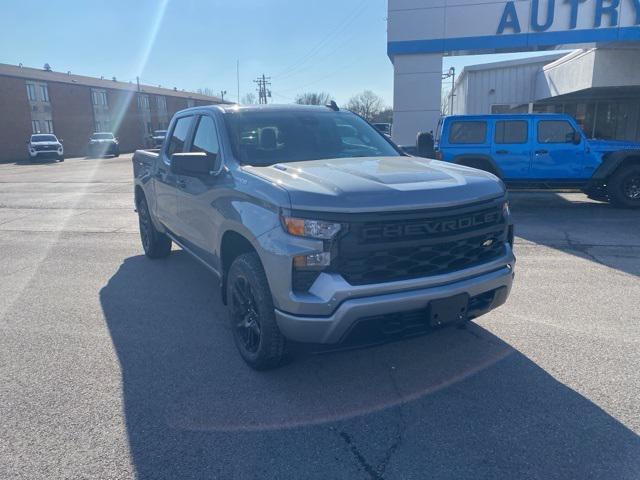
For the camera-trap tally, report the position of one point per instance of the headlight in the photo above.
(310, 228)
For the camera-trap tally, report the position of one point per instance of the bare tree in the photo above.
(249, 99)
(206, 91)
(313, 98)
(384, 116)
(366, 104)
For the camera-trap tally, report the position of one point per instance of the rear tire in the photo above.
(252, 314)
(155, 244)
(624, 187)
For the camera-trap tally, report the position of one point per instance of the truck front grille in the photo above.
(422, 245)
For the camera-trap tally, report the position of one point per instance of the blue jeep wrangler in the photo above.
(543, 150)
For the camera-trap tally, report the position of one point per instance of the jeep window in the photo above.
(267, 137)
(512, 131)
(467, 132)
(555, 131)
(43, 138)
(179, 135)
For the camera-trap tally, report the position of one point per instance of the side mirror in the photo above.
(192, 163)
(577, 138)
(61, 140)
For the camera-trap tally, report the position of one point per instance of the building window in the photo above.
(31, 92)
(35, 126)
(99, 97)
(44, 93)
(498, 108)
(162, 104)
(47, 126)
(143, 102)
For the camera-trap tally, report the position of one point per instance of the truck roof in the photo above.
(259, 108)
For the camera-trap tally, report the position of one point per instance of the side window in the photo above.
(206, 137)
(555, 131)
(509, 132)
(179, 136)
(467, 132)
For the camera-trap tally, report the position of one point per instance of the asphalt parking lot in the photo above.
(114, 366)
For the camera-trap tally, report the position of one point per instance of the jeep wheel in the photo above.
(155, 244)
(252, 314)
(624, 187)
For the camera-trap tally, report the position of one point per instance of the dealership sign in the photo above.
(466, 26)
(605, 12)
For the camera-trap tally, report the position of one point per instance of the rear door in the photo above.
(555, 155)
(511, 149)
(166, 183)
(198, 195)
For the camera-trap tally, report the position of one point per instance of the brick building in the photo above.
(74, 106)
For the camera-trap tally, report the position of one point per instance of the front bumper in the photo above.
(334, 328)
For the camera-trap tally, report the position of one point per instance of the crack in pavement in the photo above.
(377, 472)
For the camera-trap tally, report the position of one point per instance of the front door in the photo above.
(556, 155)
(166, 182)
(511, 148)
(197, 195)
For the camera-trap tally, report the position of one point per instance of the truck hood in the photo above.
(611, 145)
(379, 183)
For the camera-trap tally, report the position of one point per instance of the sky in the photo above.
(334, 46)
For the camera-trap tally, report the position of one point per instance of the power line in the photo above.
(318, 47)
(264, 93)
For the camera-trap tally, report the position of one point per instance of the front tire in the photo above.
(252, 314)
(624, 187)
(155, 244)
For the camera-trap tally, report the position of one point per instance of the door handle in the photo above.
(502, 152)
(542, 152)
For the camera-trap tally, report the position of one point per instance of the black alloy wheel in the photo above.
(245, 315)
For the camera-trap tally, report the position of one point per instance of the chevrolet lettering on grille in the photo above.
(428, 228)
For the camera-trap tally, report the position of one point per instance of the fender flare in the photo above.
(460, 159)
(612, 161)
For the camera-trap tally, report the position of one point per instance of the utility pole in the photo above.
(222, 94)
(451, 74)
(264, 93)
(238, 78)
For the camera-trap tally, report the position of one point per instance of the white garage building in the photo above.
(598, 84)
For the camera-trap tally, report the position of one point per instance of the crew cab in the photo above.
(320, 230)
(543, 150)
(45, 145)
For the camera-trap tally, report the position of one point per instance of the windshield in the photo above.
(102, 136)
(268, 137)
(43, 138)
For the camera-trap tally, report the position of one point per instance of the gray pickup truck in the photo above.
(320, 229)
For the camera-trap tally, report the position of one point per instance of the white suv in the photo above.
(45, 145)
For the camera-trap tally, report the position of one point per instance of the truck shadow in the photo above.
(194, 410)
(574, 224)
